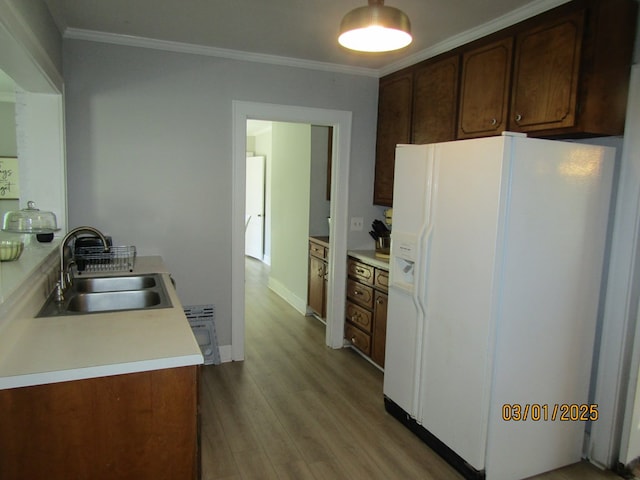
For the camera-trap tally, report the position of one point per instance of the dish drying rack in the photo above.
(95, 259)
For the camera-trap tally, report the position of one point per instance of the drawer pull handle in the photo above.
(360, 271)
(356, 292)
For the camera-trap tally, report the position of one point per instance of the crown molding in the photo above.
(179, 47)
(527, 11)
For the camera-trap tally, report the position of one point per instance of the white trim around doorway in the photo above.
(341, 121)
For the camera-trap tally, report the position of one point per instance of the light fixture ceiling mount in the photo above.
(375, 28)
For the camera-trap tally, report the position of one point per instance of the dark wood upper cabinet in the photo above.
(605, 67)
(561, 74)
(546, 74)
(435, 101)
(484, 89)
(394, 127)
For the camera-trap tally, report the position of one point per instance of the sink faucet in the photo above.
(65, 266)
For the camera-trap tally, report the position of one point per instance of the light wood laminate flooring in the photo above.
(295, 409)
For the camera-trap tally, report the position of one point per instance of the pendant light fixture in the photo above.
(375, 28)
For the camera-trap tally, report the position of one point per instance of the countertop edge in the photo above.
(43, 378)
(369, 256)
(321, 239)
(23, 335)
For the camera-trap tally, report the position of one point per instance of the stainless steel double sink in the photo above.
(109, 294)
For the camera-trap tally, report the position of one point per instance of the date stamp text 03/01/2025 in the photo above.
(544, 412)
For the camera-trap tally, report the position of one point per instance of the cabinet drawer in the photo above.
(358, 338)
(359, 293)
(359, 316)
(382, 279)
(361, 271)
(317, 250)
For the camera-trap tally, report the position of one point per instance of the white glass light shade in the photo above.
(375, 28)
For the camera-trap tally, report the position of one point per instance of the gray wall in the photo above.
(149, 151)
(8, 146)
(289, 212)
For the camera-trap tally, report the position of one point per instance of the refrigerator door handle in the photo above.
(421, 285)
(419, 297)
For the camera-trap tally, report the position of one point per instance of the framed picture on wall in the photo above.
(9, 184)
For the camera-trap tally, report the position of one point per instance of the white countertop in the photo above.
(54, 349)
(369, 257)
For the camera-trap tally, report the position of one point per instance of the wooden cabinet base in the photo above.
(318, 276)
(366, 309)
(135, 426)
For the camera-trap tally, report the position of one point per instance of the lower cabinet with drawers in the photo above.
(366, 308)
(318, 271)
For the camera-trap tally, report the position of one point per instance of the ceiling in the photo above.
(304, 30)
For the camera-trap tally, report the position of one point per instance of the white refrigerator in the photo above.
(495, 279)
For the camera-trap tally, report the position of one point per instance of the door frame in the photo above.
(618, 360)
(341, 122)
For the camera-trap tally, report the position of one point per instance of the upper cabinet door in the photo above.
(394, 127)
(546, 74)
(484, 90)
(435, 101)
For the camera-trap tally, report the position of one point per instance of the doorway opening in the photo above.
(255, 207)
(341, 141)
(288, 202)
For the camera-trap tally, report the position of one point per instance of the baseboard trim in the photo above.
(225, 353)
(288, 296)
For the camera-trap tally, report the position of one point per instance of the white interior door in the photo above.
(254, 209)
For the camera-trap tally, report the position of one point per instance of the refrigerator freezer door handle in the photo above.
(419, 292)
(425, 238)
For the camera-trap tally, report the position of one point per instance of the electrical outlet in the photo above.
(357, 224)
